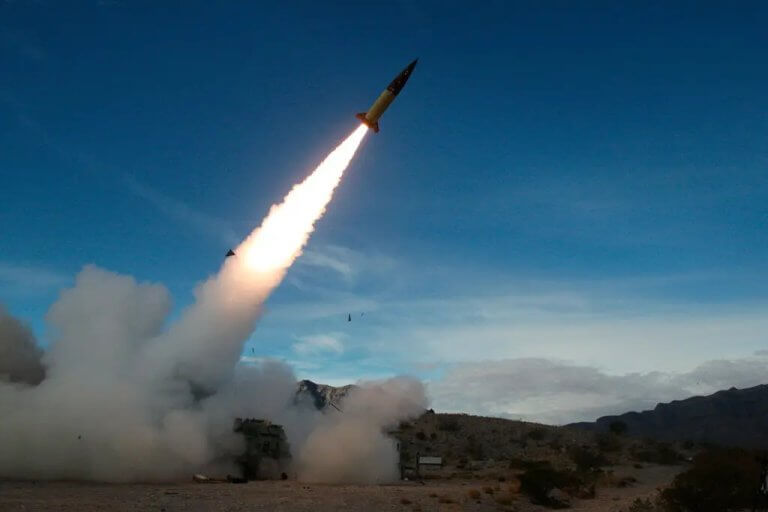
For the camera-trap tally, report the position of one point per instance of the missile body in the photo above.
(371, 118)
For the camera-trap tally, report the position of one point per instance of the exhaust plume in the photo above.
(119, 397)
(228, 304)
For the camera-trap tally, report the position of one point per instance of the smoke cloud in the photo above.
(353, 446)
(122, 397)
(20, 359)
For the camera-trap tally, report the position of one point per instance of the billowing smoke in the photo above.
(20, 359)
(353, 446)
(121, 397)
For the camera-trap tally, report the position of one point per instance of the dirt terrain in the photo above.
(291, 496)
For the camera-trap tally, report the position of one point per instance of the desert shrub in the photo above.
(608, 442)
(517, 463)
(462, 463)
(537, 434)
(537, 483)
(555, 445)
(719, 480)
(405, 501)
(449, 425)
(586, 459)
(643, 505)
(474, 494)
(445, 499)
(433, 495)
(626, 481)
(488, 490)
(504, 499)
(421, 436)
(502, 478)
(475, 448)
(657, 453)
(618, 427)
(433, 436)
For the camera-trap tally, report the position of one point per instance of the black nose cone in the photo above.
(399, 82)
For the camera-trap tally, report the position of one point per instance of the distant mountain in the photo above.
(322, 395)
(735, 417)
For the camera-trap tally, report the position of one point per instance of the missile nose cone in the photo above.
(399, 82)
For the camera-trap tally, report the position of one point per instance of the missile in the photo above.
(371, 118)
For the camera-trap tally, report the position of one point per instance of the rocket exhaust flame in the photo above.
(233, 298)
(280, 238)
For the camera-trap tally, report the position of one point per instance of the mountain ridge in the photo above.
(731, 417)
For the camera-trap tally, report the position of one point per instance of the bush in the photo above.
(433, 436)
(657, 453)
(719, 480)
(475, 448)
(421, 436)
(504, 500)
(618, 427)
(608, 442)
(537, 483)
(517, 463)
(451, 425)
(642, 505)
(537, 434)
(405, 501)
(586, 459)
(474, 494)
(488, 490)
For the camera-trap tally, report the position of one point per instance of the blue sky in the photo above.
(581, 182)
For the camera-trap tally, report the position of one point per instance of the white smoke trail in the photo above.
(206, 342)
(116, 404)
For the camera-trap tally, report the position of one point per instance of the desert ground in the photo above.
(292, 496)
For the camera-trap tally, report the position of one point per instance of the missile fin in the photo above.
(373, 126)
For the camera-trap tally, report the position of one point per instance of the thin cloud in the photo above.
(319, 344)
(181, 212)
(30, 278)
(346, 262)
(558, 392)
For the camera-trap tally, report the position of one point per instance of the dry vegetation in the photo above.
(490, 464)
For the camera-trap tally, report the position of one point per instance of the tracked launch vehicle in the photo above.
(267, 453)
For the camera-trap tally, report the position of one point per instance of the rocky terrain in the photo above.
(733, 417)
(452, 495)
(321, 395)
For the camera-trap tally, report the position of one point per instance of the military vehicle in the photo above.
(267, 452)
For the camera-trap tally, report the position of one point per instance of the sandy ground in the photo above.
(296, 496)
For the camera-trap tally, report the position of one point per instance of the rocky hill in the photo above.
(321, 395)
(734, 417)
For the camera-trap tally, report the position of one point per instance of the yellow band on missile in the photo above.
(379, 106)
